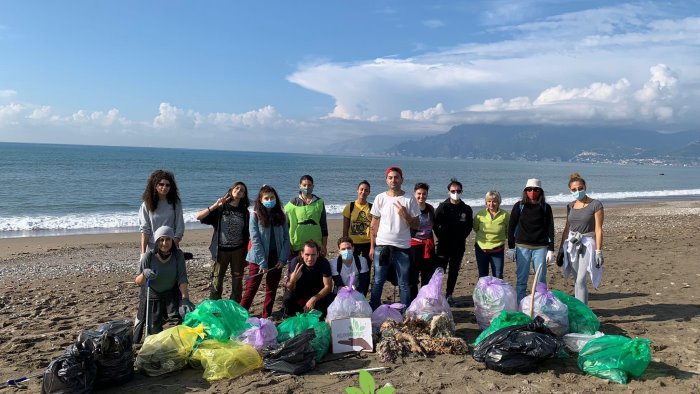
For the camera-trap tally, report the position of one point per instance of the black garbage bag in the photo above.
(518, 348)
(294, 356)
(111, 345)
(72, 373)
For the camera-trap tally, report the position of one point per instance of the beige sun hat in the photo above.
(533, 182)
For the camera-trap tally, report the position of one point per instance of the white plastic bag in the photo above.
(554, 312)
(348, 303)
(491, 296)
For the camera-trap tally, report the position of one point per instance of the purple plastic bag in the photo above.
(430, 301)
(348, 303)
(554, 312)
(386, 312)
(262, 334)
(491, 296)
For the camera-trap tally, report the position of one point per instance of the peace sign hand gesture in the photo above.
(296, 274)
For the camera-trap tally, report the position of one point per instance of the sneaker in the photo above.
(451, 301)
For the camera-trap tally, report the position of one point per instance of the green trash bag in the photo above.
(293, 326)
(615, 357)
(582, 320)
(504, 319)
(223, 318)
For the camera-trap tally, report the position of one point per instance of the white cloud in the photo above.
(556, 64)
(433, 23)
(428, 114)
(7, 94)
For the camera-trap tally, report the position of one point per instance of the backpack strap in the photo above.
(339, 264)
(352, 207)
(358, 264)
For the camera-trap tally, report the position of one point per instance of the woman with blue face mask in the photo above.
(580, 251)
(269, 248)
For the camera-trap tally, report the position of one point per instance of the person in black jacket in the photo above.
(229, 216)
(453, 223)
(531, 235)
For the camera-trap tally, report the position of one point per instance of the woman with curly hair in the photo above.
(161, 207)
(269, 240)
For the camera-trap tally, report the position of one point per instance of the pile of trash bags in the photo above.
(293, 326)
(491, 296)
(99, 357)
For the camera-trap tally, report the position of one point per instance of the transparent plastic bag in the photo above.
(168, 350)
(430, 302)
(348, 303)
(225, 360)
(386, 312)
(224, 319)
(293, 326)
(554, 312)
(503, 320)
(581, 318)
(615, 357)
(261, 334)
(491, 296)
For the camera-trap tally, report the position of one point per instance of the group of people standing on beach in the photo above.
(398, 237)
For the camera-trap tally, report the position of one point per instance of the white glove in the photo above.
(550, 257)
(510, 253)
(598, 258)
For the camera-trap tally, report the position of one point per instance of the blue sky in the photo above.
(262, 75)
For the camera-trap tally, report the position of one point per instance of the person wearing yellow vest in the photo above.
(491, 234)
(307, 217)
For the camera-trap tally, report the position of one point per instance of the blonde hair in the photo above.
(493, 195)
(576, 177)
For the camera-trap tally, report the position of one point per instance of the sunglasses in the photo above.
(164, 184)
(532, 189)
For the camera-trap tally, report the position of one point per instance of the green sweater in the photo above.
(491, 233)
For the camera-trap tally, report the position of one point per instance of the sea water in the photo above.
(70, 189)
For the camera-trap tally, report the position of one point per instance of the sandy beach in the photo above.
(53, 287)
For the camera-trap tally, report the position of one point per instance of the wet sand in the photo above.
(53, 287)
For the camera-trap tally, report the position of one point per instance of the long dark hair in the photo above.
(150, 195)
(245, 201)
(269, 217)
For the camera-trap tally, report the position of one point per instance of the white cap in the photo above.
(533, 182)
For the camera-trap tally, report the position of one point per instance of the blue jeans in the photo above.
(401, 262)
(483, 260)
(523, 258)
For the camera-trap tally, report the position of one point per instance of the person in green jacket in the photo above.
(491, 233)
(307, 218)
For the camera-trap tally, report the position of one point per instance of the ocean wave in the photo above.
(11, 226)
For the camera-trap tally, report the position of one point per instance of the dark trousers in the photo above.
(159, 305)
(294, 303)
(272, 280)
(422, 268)
(225, 258)
(362, 250)
(486, 259)
(451, 262)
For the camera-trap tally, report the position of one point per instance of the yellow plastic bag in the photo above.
(168, 350)
(225, 360)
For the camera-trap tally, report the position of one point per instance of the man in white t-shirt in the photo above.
(350, 264)
(394, 213)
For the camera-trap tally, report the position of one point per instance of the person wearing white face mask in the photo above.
(580, 251)
(453, 223)
(348, 263)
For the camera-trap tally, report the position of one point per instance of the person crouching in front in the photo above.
(309, 284)
(162, 272)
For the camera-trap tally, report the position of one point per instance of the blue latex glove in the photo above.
(599, 258)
